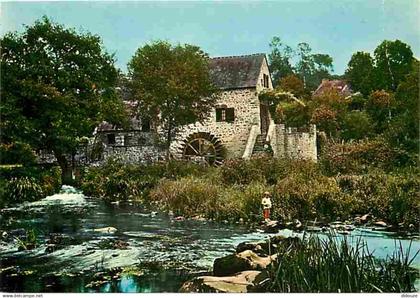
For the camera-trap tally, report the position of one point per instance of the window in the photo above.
(127, 140)
(141, 141)
(145, 125)
(265, 81)
(225, 115)
(110, 139)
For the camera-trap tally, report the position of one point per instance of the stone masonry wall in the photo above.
(289, 142)
(233, 135)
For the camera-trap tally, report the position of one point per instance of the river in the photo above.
(123, 248)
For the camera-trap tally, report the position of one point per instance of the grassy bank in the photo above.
(301, 189)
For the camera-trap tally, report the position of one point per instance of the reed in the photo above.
(335, 265)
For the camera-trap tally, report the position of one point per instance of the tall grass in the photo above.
(333, 265)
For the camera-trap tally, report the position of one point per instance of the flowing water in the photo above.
(122, 248)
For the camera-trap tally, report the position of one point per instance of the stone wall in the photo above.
(234, 136)
(266, 71)
(133, 154)
(132, 146)
(291, 143)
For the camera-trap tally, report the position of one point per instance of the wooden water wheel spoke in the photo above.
(189, 145)
(203, 147)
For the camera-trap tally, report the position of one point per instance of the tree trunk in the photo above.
(66, 169)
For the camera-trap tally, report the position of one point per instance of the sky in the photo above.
(227, 28)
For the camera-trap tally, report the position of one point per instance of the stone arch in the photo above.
(202, 147)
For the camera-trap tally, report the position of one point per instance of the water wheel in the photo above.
(203, 147)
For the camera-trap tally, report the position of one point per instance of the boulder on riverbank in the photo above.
(242, 282)
(266, 248)
(246, 260)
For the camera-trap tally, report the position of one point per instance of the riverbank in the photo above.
(301, 190)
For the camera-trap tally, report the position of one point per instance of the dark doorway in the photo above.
(265, 118)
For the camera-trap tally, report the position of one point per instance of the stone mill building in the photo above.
(238, 126)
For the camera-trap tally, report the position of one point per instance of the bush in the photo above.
(118, 181)
(391, 197)
(356, 125)
(360, 157)
(264, 169)
(23, 189)
(188, 196)
(191, 196)
(307, 195)
(16, 153)
(28, 183)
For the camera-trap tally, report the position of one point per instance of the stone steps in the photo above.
(259, 144)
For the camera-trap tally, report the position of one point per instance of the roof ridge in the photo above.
(238, 56)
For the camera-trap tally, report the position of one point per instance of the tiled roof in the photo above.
(236, 71)
(340, 85)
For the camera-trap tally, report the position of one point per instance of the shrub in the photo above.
(192, 196)
(117, 181)
(23, 189)
(240, 171)
(28, 183)
(359, 157)
(356, 125)
(307, 195)
(391, 197)
(16, 153)
(188, 196)
(257, 169)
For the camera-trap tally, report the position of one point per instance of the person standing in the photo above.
(266, 204)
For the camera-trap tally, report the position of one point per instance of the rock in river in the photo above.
(242, 282)
(109, 230)
(246, 260)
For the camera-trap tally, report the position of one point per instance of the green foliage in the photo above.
(360, 72)
(29, 242)
(118, 181)
(300, 189)
(334, 265)
(356, 125)
(403, 129)
(393, 197)
(292, 114)
(361, 156)
(306, 194)
(279, 58)
(312, 68)
(23, 189)
(16, 153)
(174, 82)
(20, 184)
(379, 106)
(57, 86)
(192, 196)
(393, 60)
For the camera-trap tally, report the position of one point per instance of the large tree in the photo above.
(360, 72)
(280, 57)
(312, 68)
(57, 85)
(172, 82)
(393, 61)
